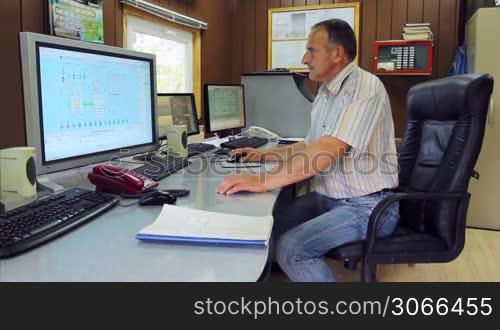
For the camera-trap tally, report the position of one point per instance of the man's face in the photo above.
(321, 58)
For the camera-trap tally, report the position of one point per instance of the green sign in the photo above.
(77, 19)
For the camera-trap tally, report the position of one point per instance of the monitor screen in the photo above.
(224, 107)
(92, 102)
(181, 110)
(86, 103)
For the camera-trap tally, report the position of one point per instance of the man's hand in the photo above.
(241, 182)
(248, 154)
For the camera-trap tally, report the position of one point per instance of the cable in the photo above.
(128, 205)
(134, 196)
(42, 197)
(129, 162)
(215, 159)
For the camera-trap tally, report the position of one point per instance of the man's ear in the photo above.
(339, 54)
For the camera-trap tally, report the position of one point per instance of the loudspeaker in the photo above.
(18, 171)
(177, 140)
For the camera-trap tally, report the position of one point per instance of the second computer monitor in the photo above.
(224, 108)
(177, 109)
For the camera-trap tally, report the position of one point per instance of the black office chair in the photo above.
(443, 138)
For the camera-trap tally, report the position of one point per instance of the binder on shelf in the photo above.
(184, 225)
(417, 31)
(418, 36)
(416, 24)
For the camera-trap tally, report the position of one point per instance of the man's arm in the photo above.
(314, 158)
(274, 154)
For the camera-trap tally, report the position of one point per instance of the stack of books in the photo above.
(417, 31)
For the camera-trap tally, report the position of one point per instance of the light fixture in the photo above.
(166, 14)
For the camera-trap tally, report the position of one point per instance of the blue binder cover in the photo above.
(201, 240)
(184, 225)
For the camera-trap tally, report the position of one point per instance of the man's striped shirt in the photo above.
(354, 107)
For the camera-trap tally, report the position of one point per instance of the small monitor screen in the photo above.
(225, 107)
(93, 102)
(179, 109)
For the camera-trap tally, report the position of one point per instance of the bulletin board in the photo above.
(289, 28)
(77, 19)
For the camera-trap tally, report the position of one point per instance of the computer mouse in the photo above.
(223, 151)
(177, 192)
(234, 159)
(157, 198)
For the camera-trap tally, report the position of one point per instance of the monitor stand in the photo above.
(229, 133)
(43, 183)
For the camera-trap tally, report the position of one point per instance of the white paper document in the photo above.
(188, 225)
(294, 139)
(215, 141)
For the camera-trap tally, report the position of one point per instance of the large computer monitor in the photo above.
(224, 108)
(85, 103)
(177, 109)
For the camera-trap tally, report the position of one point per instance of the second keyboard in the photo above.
(158, 168)
(198, 148)
(252, 142)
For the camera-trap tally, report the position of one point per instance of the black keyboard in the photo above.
(30, 225)
(199, 148)
(158, 168)
(252, 142)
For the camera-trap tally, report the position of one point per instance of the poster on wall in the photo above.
(77, 19)
(290, 27)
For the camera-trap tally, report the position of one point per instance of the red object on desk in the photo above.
(117, 180)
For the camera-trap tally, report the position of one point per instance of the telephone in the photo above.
(262, 132)
(118, 180)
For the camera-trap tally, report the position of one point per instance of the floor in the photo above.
(478, 262)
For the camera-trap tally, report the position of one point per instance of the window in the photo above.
(177, 49)
(173, 49)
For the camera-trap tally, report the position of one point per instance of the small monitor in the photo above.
(177, 109)
(85, 103)
(224, 108)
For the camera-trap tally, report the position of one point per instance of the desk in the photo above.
(106, 249)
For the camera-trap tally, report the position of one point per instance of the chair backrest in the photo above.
(443, 138)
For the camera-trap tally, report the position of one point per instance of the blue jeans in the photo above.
(313, 224)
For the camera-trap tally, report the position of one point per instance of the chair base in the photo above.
(351, 264)
(369, 273)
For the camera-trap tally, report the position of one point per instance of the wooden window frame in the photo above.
(130, 11)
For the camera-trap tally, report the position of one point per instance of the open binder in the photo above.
(178, 224)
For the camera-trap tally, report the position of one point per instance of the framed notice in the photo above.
(77, 19)
(289, 28)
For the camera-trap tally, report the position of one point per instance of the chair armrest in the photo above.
(378, 212)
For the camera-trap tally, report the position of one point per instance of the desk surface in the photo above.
(106, 249)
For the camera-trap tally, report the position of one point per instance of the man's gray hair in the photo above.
(340, 33)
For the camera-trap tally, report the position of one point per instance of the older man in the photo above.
(349, 148)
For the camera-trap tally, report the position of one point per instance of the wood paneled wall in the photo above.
(380, 20)
(32, 15)
(236, 42)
